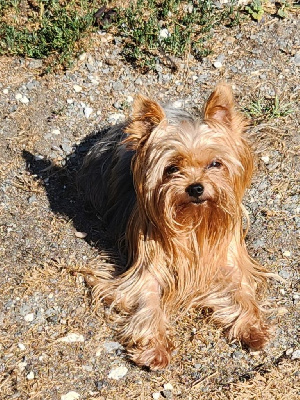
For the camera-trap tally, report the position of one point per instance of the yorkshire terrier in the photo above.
(170, 186)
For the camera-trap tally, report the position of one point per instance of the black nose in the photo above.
(195, 190)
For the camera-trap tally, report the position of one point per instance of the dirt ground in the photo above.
(53, 345)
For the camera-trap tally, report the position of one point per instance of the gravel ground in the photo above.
(53, 343)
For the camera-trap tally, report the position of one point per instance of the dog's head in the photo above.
(189, 171)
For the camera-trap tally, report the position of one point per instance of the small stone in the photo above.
(72, 338)
(111, 347)
(218, 64)
(296, 59)
(70, 396)
(138, 81)
(129, 99)
(289, 351)
(118, 373)
(29, 317)
(5, 91)
(286, 253)
(77, 88)
(117, 86)
(21, 346)
(285, 274)
(168, 386)
(70, 101)
(82, 57)
(30, 376)
(24, 100)
(88, 111)
(32, 199)
(115, 118)
(177, 104)
(164, 33)
(266, 159)
(156, 395)
(80, 235)
(35, 64)
(296, 355)
(168, 394)
(66, 148)
(22, 365)
(18, 96)
(56, 132)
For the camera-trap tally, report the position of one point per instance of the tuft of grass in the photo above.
(44, 29)
(153, 29)
(263, 109)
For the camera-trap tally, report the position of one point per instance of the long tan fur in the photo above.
(183, 249)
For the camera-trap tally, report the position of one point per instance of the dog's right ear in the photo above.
(146, 116)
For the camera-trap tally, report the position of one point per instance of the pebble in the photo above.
(218, 64)
(177, 104)
(266, 159)
(129, 99)
(82, 57)
(77, 88)
(30, 376)
(138, 81)
(18, 96)
(286, 253)
(164, 33)
(56, 132)
(24, 100)
(35, 64)
(111, 347)
(21, 346)
(296, 355)
(70, 396)
(118, 373)
(29, 317)
(168, 394)
(156, 395)
(115, 118)
(5, 91)
(88, 111)
(296, 59)
(32, 199)
(22, 365)
(72, 338)
(117, 86)
(168, 386)
(289, 351)
(80, 235)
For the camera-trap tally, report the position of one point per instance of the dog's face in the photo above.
(184, 169)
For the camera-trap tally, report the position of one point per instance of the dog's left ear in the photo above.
(146, 116)
(220, 107)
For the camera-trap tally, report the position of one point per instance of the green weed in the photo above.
(263, 109)
(155, 28)
(44, 29)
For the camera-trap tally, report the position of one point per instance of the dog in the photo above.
(170, 188)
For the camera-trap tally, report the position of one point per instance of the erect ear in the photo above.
(146, 116)
(220, 107)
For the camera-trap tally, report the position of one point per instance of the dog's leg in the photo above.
(145, 331)
(235, 305)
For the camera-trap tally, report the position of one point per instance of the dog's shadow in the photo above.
(60, 183)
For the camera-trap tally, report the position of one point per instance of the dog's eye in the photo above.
(215, 164)
(172, 169)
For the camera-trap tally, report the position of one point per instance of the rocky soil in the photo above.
(53, 343)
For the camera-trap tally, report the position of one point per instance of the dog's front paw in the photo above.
(255, 337)
(155, 357)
